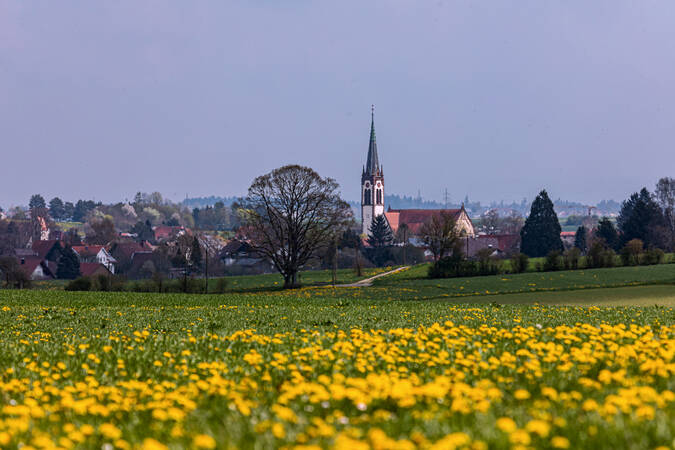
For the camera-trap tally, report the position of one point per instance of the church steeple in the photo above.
(372, 163)
(372, 182)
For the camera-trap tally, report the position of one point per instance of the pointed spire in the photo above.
(372, 163)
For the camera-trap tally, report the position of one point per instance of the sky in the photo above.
(491, 99)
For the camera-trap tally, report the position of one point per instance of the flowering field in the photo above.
(106, 370)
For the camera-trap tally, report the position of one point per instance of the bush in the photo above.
(553, 261)
(102, 283)
(631, 253)
(79, 284)
(487, 264)
(571, 258)
(221, 285)
(519, 262)
(599, 255)
(654, 256)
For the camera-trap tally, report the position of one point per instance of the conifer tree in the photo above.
(541, 232)
(68, 267)
(580, 239)
(639, 217)
(380, 233)
(607, 232)
(196, 254)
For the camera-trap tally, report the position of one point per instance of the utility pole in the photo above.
(335, 259)
(446, 198)
(206, 269)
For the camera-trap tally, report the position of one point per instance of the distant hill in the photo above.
(202, 202)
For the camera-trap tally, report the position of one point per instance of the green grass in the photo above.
(411, 284)
(273, 281)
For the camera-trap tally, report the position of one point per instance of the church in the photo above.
(372, 199)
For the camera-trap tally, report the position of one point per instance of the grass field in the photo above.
(533, 361)
(127, 370)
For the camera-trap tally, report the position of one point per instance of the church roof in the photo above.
(373, 162)
(415, 218)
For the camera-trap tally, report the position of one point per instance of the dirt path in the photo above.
(369, 281)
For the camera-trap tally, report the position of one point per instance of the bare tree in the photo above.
(101, 231)
(665, 195)
(292, 215)
(440, 234)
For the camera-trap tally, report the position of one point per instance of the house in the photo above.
(95, 254)
(35, 268)
(49, 250)
(415, 218)
(126, 250)
(93, 269)
(240, 253)
(568, 237)
(163, 232)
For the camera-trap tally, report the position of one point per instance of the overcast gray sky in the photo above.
(494, 99)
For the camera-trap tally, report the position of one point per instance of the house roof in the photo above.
(28, 264)
(89, 269)
(127, 249)
(568, 233)
(87, 250)
(235, 246)
(415, 218)
(42, 248)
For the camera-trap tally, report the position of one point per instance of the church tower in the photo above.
(372, 183)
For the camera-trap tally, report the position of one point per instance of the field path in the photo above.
(368, 281)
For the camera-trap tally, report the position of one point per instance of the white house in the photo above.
(97, 254)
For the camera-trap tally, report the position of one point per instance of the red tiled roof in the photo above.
(42, 248)
(28, 264)
(504, 241)
(127, 249)
(89, 269)
(85, 250)
(568, 233)
(415, 218)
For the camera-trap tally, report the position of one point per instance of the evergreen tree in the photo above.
(580, 239)
(380, 233)
(143, 231)
(37, 201)
(56, 208)
(639, 218)
(541, 232)
(68, 267)
(68, 210)
(607, 232)
(196, 254)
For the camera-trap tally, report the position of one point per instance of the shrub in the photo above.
(101, 283)
(519, 262)
(553, 261)
(451, 267)
(571, 258)
(599, 255)
(631, 253)
(221, 285)
(487, 264)
(654, 256)
(79, 284)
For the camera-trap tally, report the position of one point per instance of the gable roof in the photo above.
(87, 250)
(415, 218)
(42, 248)
(89, 269)
(127, 249)
(28, 264)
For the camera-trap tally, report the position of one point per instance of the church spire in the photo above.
(372, 163)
